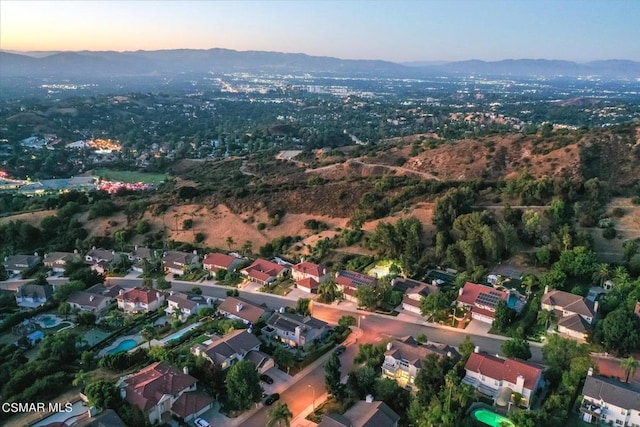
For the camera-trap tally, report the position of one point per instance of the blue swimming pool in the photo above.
(125, 345)
(512, 301)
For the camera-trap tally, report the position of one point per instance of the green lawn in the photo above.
(130, 176)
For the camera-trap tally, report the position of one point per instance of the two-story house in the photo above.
(179, 263)
(263, 272)
(140, 300)
(16, 264)
(182, 305)
(609, 401)
(405, 356)
(158, 391)
(349, 281)
(574, 314)
(481, 300)
(233, 347)
(101, 260)
(138, 257)
(308, 276)
(414, 292)
(367, 413)
(293, 329)
(242, 309)
(499, 378)
(31, 295)
(219, 261)
(89, 302)
(57, 261)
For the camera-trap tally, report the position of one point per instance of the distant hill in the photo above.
(158, 62)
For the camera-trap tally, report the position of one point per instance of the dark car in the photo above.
(266, 378)
(272, 398)
(340, 349)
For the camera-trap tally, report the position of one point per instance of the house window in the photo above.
(496, 382)
(618, 422)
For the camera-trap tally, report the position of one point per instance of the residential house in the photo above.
(157, 390)
(182, 305)
(263, 271)
(138, 257)
(101, 260)
(31, 295)
(242, 309)
(89, 302)
(139, 300)
(179, 263)
(574, 314)
(609, 401)
(110, 292)
(107, 418)
(404, 358)
(308, 276)
(233, 347)
(293, 329)
(481, 300)
(503, 273)
(363, 414)
(57, 261)
(414, 292)
(349, 281)
(219, 261)
(16, 264)
(498, 378)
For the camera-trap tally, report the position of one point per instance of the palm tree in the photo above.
(148, 334)
(328, 291)
(545, 317)
(528, 281)
(602, 273)
(280, 415)
(629, 365)
(247, 247)
(230, 242)
(80, 379)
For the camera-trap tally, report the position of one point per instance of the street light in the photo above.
(313, 403)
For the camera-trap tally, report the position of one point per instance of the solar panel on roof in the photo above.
(489, 298)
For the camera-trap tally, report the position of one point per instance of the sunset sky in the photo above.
(420, 30)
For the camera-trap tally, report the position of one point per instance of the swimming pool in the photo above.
(125, 345)
(490, 418)
(48, 321)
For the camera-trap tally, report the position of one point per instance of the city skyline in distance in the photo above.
(405, 31)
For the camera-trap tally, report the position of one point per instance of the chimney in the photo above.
(158, 295)
(477, 349)
(123, 392)
(460, 291)
(239, 307)
(546, 289)
(195, 252)
(35, 254)
(369, 398)
(135, 248)
(281, 310)
(75, 251)
(596, 305)
(91, 298)
(389, 345)
(590, 372)
(121, 292)
(185, 370)
(519, 384)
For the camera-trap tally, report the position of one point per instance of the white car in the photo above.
(201, 423)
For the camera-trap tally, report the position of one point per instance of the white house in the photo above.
(57, 261)
(498, 378)
(574, 314)
(293, 329)
(137, 300)
(183, 306)
(607, 400)
(230, 349)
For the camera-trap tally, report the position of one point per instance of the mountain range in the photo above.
(160, 62)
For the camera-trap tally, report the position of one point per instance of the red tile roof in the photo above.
(310, 268)
(145, 296)
(307, 283)
(218, 260)
(262, 269)
(146, 388)
(503, 369)
(471, 292)
(191, 403)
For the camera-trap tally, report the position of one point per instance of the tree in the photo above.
(503, 316)
(434, 303)
(430, 378)
(102, 394)
(60, 347)
(328, 291)
(371, 355)
(162, 283)
(629, 366)
(247, 247)
(230, 242)
(64, 309)
(532, 224)
(282, 357)
(517, 348)
(333, 375)
(466, 347)
(243, 385)
(303, 307)
(279, 415)
(147, 334)
(621, 331)
(602, 273)
(346, 321)
(361, 381)
(367, 297)
(545, 317)
(559, 354)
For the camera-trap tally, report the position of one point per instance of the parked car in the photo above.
(266, 378)
(272, 398)
(340, 349)
(201, 423)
